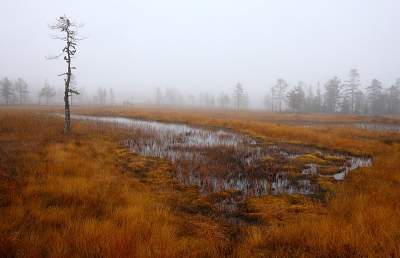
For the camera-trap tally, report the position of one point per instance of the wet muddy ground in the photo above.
(219, 160)
(381, 127)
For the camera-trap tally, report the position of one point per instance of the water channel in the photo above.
(217, 160)
(369, 126)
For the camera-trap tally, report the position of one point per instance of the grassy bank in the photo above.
(83, 195)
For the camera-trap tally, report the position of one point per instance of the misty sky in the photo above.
(203, 46)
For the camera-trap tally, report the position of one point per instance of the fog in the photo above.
(203, 46)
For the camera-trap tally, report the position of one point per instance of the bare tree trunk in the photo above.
(67, 112)
(66, 93)
(64, 25)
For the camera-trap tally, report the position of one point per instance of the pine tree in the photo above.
(159, 96)
(332, 94)
(374, 96)
(47, 91)
(280, 89)
(317, 103)
(223, 100)
(238, 95)
(308, 102)
(7, 90)
(273, 97)
(351, 87)
(266, 101)
(21, 88)
(296, 98)
(345, 105)
(359, 101)
(111, 96)
(394, 98)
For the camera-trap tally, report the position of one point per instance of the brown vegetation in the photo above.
(83, 195)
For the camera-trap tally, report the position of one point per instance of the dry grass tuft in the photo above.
(82, 195)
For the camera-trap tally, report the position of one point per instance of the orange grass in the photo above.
(70, 196)
(81, 195)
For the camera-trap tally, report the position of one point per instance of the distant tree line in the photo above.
(15, 92)
(172, 97)
(338, 97)
(333, 97)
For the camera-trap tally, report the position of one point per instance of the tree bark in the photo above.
(66, 93)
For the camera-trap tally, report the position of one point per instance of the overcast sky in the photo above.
(203, 46)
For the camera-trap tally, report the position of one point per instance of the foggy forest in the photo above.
(334, 96)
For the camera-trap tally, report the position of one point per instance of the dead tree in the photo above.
(69, 32)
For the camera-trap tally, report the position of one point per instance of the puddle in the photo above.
(375, 127)
(380, 127)
(218, 160)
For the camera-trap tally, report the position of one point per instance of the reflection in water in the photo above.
(218, 160)
(370, 126)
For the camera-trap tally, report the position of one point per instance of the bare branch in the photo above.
(53, 57)
(74, 91)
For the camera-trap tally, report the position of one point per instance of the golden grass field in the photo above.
(83, 195)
